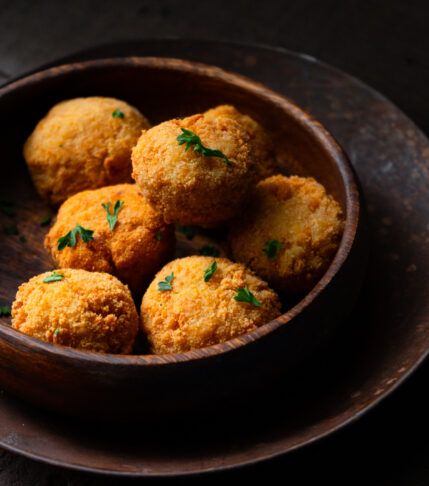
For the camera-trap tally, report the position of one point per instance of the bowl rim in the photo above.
(302, 117)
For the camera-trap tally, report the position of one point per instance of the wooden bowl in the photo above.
(112, 386)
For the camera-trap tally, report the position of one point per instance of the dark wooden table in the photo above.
(384, 43)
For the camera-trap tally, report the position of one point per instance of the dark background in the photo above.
(383, 43)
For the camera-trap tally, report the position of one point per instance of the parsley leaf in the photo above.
(4, 311)
(22, 239)
(271, 248)
(166, 284)
(57, 331)
(70, 238)
(11, 230)
(209, 250)
(188, 231)
(209, 271)
(191, 139)
(117, 114)
(46, 220)
(244, 295)
(8, 208)
(55, 277)
(112, 219)
(158, 236)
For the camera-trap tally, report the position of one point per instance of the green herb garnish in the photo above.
(244, 295)
(46, 220)
(118, 114)
(4, 311)
(209, 250)
(158, 235)
(11, 230)
(188, 231)
(209, 271)
(191, 139)
(112, 219)
(166, 284)
(57, 331)
(55, 277)
(70, 238)
(8, 208)
(22, 239)
(271, 248)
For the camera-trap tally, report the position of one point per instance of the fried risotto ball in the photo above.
(260, 139)
(290, 233)
(83, 143)
(139, 244)
(196, 313)
(84, 310)
(187, 187)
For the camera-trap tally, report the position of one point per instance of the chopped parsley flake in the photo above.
(271, 248)
(188, 231)
(8, 208)
(57, 331)
(159, 235)
(70, 238)
(46, 220)
(22, 239)
(209, 250)
(4, 311)
(11, 230)
(166, 284)
(55, 277)
(191, 139)
(209, 271)
(244, 295)
(112, 219)
(117, 114)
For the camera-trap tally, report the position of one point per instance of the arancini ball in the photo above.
(190, 304)
(133, 250)
(289, 234)
(187, 187)
(260, 139)
(84, 310)
(82, 143)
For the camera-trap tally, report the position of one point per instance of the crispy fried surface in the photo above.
(259, 138)
(195, 313)
(187, 187)
(132, 251)
(85, 310)
(79, 145)
(299, 214)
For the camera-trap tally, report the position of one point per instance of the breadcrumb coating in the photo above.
(80, 145)
(260, 139)
(85, 310)
(187, 187)
(303, 218)
(195, 313)
(138, 246)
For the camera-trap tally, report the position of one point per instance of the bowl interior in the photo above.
(161, 89)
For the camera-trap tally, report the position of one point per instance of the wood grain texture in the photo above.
(90, 384)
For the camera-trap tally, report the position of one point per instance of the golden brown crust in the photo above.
(298, 213)
(79, 145)
(133, 251)
(195, 313)
(187, 187)
(260, 139)
(85, 310)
